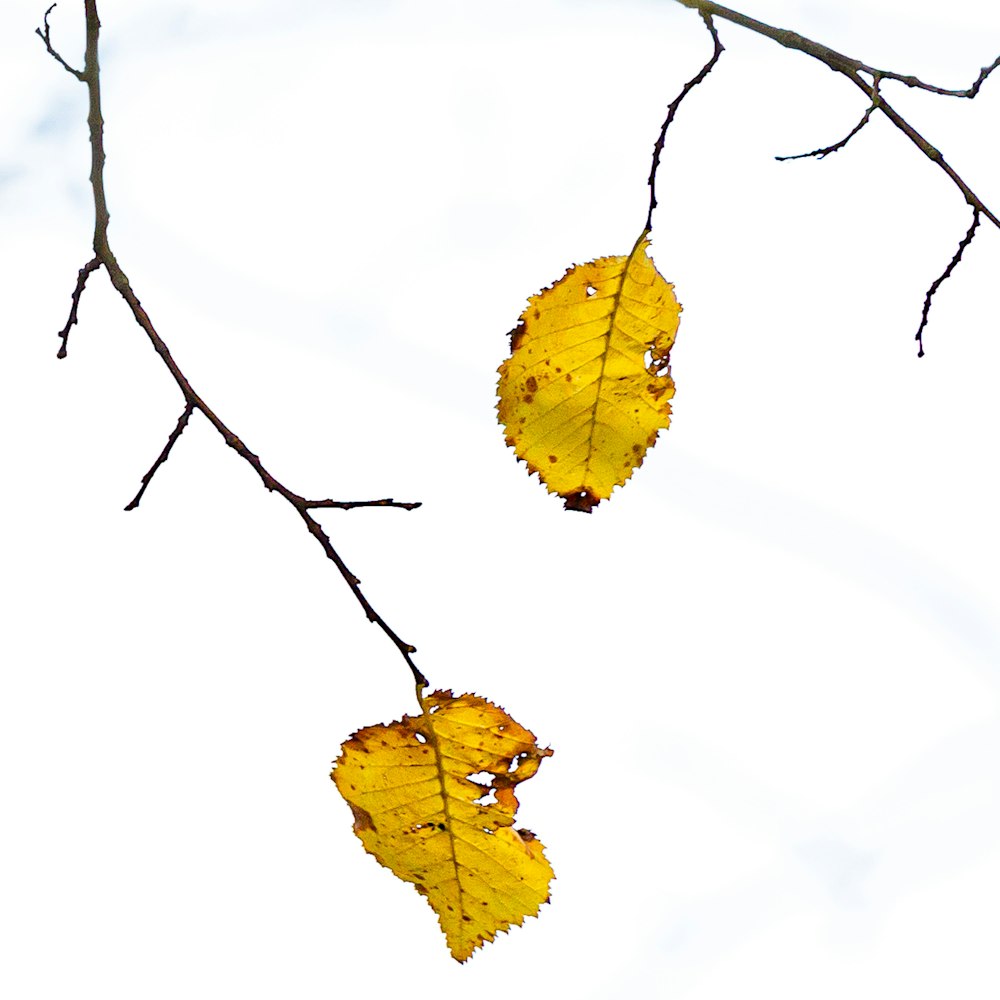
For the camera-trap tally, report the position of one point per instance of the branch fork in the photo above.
(868, 79)
(103, 257)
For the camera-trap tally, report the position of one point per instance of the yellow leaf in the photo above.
(419, 791)
(579, 399)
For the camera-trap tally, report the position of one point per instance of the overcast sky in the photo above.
(769, 667)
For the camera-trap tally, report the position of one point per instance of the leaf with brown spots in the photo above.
(587, 387)
(433, 800)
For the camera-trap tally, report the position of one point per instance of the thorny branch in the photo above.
(91, 76)
(856, 71)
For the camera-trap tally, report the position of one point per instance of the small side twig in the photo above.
(44, 36)
(966, 240)
(81, 282)
(672, 111)
(819, 154)
(912, 81)
(164, 455)
(351, 504)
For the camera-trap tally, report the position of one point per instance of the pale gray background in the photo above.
(769, 667)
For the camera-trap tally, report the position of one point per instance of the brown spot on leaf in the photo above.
(582, 500)
(515, 337)
(531, 384)
(362, 819)
(553, 459)
(528, 398)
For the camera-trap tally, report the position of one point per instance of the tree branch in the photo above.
(912, 81)
(81, 283)
(351, 504)
(827, 150)
(164, 455)
(44, 36)
(966, 240)
(853, 69)
(192, 400)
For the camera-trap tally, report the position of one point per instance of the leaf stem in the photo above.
(672, 111)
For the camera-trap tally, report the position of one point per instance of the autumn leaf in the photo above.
(433, 800)
(587, 387)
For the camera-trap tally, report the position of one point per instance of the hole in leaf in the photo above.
(488, 798)
(516, 763)
(591, 290)
(656, 364)
(421, 738)
(482, 777)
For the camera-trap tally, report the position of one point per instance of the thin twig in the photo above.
(966, 240)
(44, 36)
(81, 282)
(193, 401)
(164, 455)
(827, 150)
(912, 81)
(351, 504)
(672, 110)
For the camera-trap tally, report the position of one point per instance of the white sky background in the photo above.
(769, 667)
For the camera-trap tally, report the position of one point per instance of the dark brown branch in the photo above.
(827, 150)
(351, 504)
(164, 455)
(44, 36)
(672, 110)
(193, 401)
(912, 81)
(966, 240)
(81, 282)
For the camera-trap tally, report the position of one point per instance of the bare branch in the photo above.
(44, 36)
(850, 68)
(192, 400)
(930, 151)
(672, 110)
(827, 150)
(789, 39)
(164, 455)
(81, 282)
(855, 71)
(966, 240)
(351, 504)
(912, 81)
